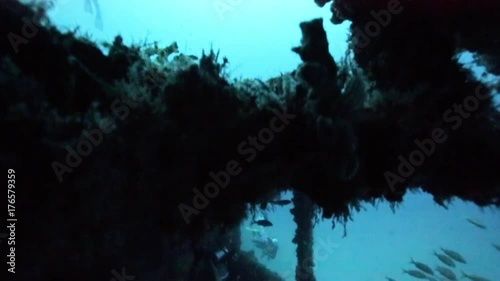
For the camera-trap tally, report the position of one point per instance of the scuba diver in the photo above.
(268, 245)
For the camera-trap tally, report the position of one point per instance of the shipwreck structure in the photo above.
(125, 161)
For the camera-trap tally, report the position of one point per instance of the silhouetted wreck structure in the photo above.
(125, 161)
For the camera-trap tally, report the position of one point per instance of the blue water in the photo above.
(380, 243)
(256, 36)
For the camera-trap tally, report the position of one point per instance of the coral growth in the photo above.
(135, 161)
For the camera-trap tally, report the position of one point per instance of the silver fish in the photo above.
(446, 273)
(454, 255)
(263, 222)
(425, 268)
(496, 246)
(415, 273)
(476, 223)
(474, 277)
(445, 259)
(281, 202)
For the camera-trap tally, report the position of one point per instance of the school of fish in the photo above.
(447, 260)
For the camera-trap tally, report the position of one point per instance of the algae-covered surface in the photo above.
(245, 140)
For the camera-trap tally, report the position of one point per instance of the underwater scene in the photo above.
(380, 244)
(241, 140)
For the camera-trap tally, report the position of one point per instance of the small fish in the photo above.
(496, 246)
(389, 279)
(476, 223)
(474, 277)
(415, 273)
(446, 273)
(281, 202)
(425, 268)
(264, 223)
(445, 259)
(454, 255)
